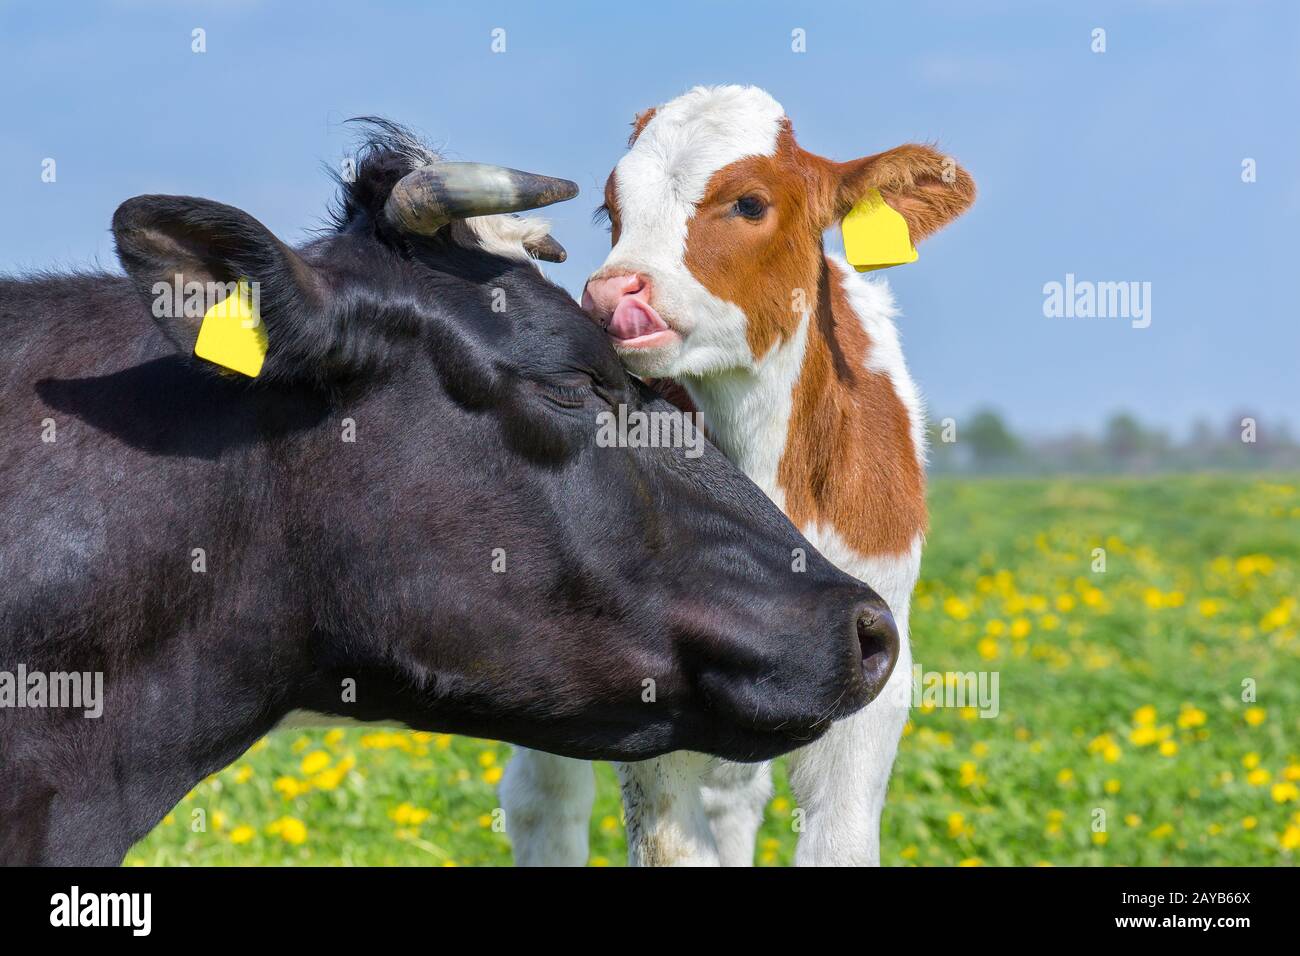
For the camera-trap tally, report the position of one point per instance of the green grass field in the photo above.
(1120, 691)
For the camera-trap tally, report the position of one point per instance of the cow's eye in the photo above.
(751, 207)
(572, 391)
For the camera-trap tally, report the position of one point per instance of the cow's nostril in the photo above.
(878, 639)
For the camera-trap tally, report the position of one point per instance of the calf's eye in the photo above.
(751, 207)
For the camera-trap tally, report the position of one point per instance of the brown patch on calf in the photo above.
(849, 461)
(761, 266)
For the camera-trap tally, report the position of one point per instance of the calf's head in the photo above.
(474, 558)
(716, 216)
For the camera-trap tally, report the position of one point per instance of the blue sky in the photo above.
(1119, 166)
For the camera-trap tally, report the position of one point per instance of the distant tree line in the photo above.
(985, 444)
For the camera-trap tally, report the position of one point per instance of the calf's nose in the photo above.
(878, 641)
(601, 295)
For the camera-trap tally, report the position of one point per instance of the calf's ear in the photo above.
(926, 187)
(182, 253)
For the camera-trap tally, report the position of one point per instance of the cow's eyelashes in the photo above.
(601, 217)
(570, 393)
(749, 207)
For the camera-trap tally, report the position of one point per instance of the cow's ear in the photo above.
(185, 255)
(926, 187)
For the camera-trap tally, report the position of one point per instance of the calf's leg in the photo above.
(667, 824)
(547, 800)
(840, 780)
(734, 796)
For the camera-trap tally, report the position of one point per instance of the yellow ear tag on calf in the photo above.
(232, 334)
(875, 235)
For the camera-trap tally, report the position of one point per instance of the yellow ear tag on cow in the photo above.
(875, 235)
(232, 334)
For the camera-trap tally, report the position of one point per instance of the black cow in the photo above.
(404, 517)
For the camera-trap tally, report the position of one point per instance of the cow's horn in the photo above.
(546, 249)
(428, 198)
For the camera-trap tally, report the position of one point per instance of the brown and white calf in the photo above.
(718, 279)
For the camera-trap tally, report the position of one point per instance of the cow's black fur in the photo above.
(371, 562)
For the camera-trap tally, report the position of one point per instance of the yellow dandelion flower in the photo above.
(1190, 717)
(1250, 761)
(243, 774)
(1020, 628)
(957, 825)
(1132, 820)
(1208, 607)
(995, 628)
(1258, 777)
(909, 852)
(609, 824)
(487, 758)
(780, 805)
(1255, 716)
(1144, 736)
(288, 787)
(971, 861)
(988, 648)
(1249, 823)
(290, 830)
(485, 820)
(442, 741)
(1285, 792)
(599, 861)
(1112, 786)
(1100, 837)
(242, 834)
(1144, 716)
(314, 762)
(492, 775)
(1168, 748)
(1292, 772)
(1162, 831)
(1065, 603)
(981, 749)
(334, 737)
(956, 608)
(1290, 838)
(1065, 776)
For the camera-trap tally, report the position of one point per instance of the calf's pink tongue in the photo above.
(633, 318)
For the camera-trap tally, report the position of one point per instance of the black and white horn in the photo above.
(430, 197)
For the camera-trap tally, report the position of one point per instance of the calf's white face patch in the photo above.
(658, 184)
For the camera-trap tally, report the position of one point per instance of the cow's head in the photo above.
(477, 557)
(716, 216)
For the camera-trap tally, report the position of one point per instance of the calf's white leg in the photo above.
(735, 795)
(666, 821)
(547, 801)
(839, 781)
